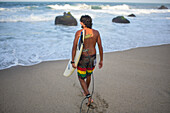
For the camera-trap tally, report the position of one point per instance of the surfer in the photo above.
(87, 60)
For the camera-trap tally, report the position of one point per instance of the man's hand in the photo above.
(73, 65)
(100, 64)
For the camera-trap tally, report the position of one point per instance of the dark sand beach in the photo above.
(132, 81)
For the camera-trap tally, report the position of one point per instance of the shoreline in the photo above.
(131, 81)
(68, 59)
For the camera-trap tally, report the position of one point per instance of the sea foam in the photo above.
(85, 6)
(28, 35)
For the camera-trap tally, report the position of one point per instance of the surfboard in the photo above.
(69, 69)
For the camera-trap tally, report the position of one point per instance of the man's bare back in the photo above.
(91, 38)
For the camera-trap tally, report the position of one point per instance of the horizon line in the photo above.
(88, 1)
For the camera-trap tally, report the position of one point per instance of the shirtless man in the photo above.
(87, 61)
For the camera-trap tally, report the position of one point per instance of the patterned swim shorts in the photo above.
(86, 66)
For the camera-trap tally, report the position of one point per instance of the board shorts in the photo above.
(86, 66)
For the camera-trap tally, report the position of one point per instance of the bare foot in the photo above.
(90, 101)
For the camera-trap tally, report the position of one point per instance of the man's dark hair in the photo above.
(87, 20)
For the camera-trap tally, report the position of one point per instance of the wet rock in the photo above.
(131, 15)
(67, 19)
(120, 19)
(162, 7)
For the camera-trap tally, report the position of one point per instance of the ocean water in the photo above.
(28, 35)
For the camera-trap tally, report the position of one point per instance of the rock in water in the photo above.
(67, 19)
(120, 19)
(131, 15)
(162, 7)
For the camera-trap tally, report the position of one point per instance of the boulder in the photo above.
(120, 19)
(162, 7)
(131, 15)
(67, 19)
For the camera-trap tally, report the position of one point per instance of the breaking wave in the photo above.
(85, 6)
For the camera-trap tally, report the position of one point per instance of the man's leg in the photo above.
(86, 91)
(90, 68)
(88, 80)
(84, 86)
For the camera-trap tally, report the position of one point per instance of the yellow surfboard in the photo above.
(69, 69)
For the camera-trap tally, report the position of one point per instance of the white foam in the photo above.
(15, 9)
(85, 6)
(69, 7)
(117, 7)
(149, 11)
(134, 11)
(32, 7)
(16, 14)
(28, 18)
(2, 9)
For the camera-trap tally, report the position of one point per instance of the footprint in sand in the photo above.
(98, 106)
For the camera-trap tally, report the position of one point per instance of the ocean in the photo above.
(28, 35)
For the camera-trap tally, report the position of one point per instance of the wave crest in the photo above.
(85, 6)
(28, 18)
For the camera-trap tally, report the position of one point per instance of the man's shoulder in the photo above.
(95, 31)
(79, 31)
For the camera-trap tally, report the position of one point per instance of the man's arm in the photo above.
(99, 42)
(74, 47)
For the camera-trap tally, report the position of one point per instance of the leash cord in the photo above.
(82, 104)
